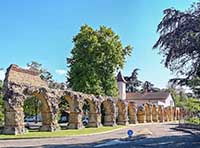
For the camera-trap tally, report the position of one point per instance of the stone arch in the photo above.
(64, 111)
(14, 115)
(122, 117)
(49, 109)
(155, 113)
(108, 111)
(160, 113)
(75, 105)
(70, 102)
(166, 114)
(18, 84)
(94, 112)
(148, 111)
(132, 112)
(141, 114)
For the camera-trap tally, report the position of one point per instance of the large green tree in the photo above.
(179, 41)
(32, 106)
(147, 86)
(95, 57)
(132, 81)
(194, 86)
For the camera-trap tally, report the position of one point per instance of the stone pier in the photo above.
(155, 113)
(132, 112)
(141, 114)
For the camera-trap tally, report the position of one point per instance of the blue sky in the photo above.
(42, 31)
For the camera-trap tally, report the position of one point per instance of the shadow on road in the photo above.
(190, 140)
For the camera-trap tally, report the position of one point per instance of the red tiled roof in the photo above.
(18, 69)
(147, 96)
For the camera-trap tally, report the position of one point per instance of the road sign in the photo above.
(130, 133)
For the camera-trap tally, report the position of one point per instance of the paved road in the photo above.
(159, 135)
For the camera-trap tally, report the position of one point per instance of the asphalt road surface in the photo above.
(166, 135)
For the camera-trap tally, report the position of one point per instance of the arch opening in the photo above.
(87, 107)
(64, 112)
(15, 114)
(48, 113)
(32, 113)
(91, 113)
(75, 112)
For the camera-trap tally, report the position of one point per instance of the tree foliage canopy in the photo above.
(32, 106)
(180, 98)
(96, 55)
(194, 85)
(179, 41)
(44, 74)
(132, 81)
(147, 86)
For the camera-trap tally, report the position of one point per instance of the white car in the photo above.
(85, 120)
(29, 119)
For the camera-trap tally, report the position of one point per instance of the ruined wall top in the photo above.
(21, 76)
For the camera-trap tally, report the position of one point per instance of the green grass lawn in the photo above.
(60, 133)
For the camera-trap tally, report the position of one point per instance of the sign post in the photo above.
(130, 133)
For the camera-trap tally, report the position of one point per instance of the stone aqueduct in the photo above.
(20, 83)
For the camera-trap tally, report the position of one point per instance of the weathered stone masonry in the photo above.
(20, 83)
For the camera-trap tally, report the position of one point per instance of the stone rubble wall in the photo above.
(24, 77)
(20, 83)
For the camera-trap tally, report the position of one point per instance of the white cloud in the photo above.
(61, 72)
(2, 74)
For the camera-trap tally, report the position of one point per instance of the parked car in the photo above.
(63, 119)
(33, 118)
(31, 122)
(33, 125)
(29, 119)
(85, 120)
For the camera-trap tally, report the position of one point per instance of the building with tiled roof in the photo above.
(158, 98)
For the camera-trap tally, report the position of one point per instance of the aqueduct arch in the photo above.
(75, 106)
(122, 107)
(155, 113)
(20, 83)
(108, 106)
(132, 112)
(94, 112)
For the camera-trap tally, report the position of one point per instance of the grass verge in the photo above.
(60, 133)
